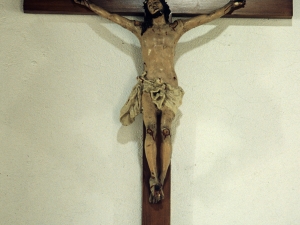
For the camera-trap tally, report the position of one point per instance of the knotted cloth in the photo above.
(162, 94)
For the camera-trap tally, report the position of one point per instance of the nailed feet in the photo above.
(156, 192)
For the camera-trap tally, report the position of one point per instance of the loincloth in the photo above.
(162, 94)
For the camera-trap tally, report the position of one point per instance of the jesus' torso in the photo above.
(158, 45)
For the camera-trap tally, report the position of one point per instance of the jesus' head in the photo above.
(154, 9)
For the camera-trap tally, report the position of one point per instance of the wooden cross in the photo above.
(159, 214)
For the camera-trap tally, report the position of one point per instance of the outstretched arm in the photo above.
(131, 25)
(201, 19)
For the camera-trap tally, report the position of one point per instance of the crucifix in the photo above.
(157, 94)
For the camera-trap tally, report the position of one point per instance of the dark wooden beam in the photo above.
(156, 214)
(253, 9)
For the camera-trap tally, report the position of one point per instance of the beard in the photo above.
(157, 14)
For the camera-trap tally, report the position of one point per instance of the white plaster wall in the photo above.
(66, 159)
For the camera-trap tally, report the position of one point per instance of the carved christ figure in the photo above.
(157, 90)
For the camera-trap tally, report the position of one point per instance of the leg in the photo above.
(150, 121)
(166, 145)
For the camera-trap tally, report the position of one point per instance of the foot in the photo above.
(156, 194)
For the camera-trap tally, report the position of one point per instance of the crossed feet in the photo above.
(156, 191)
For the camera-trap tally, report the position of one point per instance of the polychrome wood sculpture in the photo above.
(157, 91)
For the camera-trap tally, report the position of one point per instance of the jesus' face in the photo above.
(154, 6)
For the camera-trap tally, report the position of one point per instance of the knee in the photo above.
(151, 130)
(166, 133)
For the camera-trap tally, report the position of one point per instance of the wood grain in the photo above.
(253, 9)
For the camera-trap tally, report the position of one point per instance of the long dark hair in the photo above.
(148, 18)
